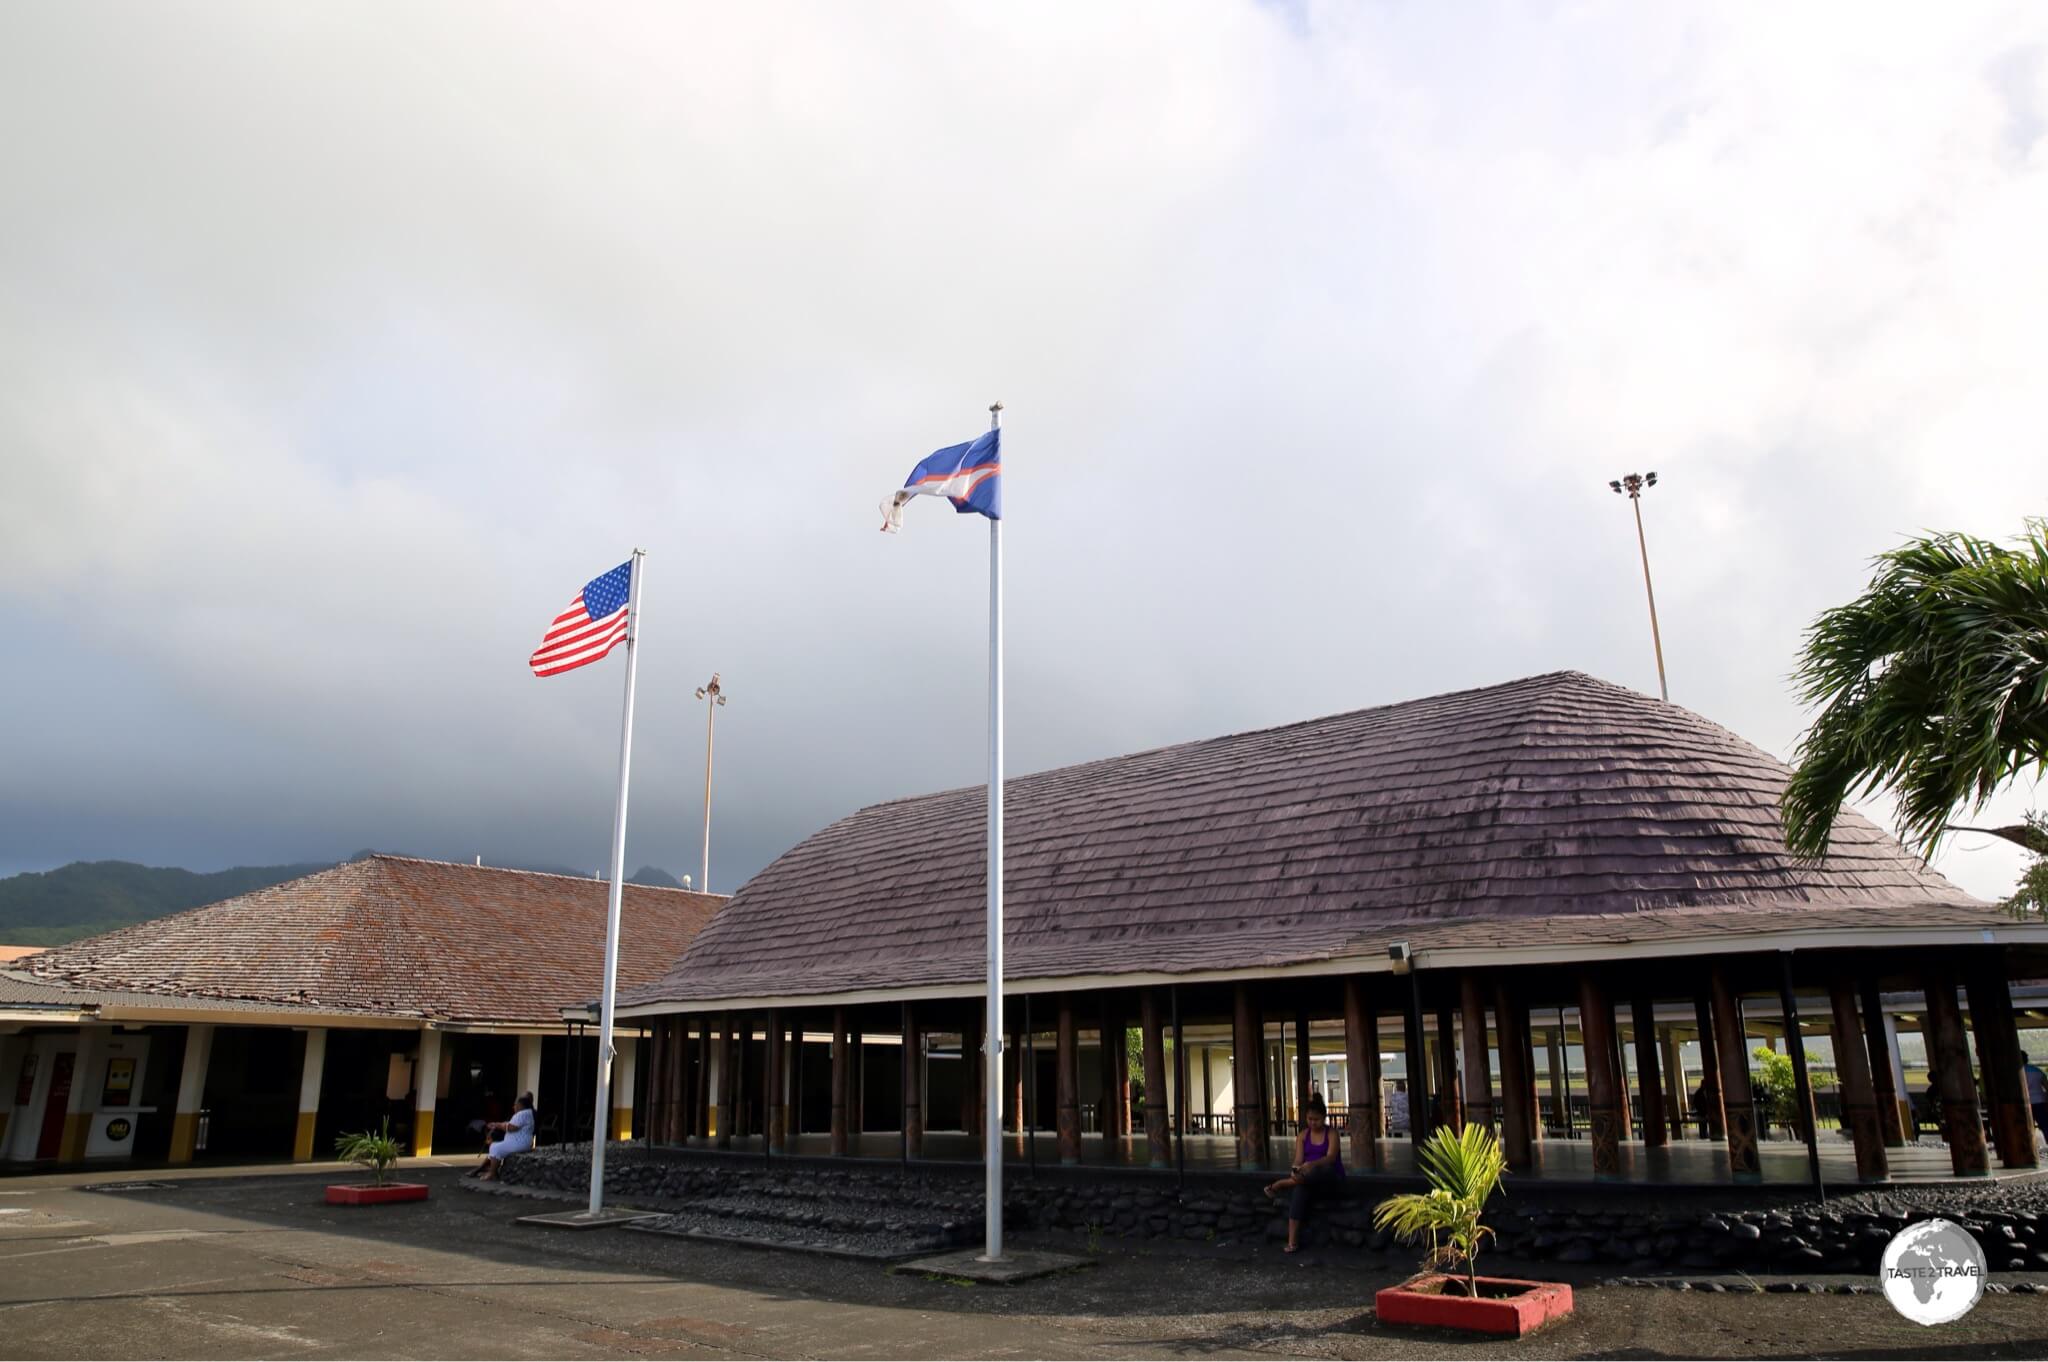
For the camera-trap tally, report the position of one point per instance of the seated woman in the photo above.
(1318, 1165)
(518, 1138)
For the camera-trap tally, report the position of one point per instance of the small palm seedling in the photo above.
(376, 1152)
(1464, 1169)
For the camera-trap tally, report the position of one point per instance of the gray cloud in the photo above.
(339, 346)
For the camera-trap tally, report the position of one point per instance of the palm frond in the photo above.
(1932, 684)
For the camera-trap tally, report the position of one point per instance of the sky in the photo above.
(340, 345)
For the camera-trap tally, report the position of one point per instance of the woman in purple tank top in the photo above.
(1318, 1166)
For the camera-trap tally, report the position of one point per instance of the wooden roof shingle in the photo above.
(1546, 806)
(396, 936)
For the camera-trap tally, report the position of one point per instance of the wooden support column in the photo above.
(1677, 1083)
(1998, 1055)
(1362, 1057)
(1738, 1109)
(1478, 1074)
(1622, 1104)
(913, 1083)
(1247, 1072)
(1517, 1083)
(1107, 1030)
(1158, 1138)
(972, 1093)
(1877, 1037)
(726, 1115)
(776, 1102)
(839, 1084)
(702, 1115)
(657, 1084)
(1962, 1121)
(1649, 1073)
(1710, 1107)
(1596, 1036)
(1559, 1058)
(1121, 1059)
(677, 1065)
(1067, 1082)
(1017, 1071)
(856, 1086)
(1852, 1074)
(1449, 1105)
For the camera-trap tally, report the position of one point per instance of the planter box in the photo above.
(338, 1195)
(1505, 1305)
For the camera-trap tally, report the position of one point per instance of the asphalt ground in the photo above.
(254, 1265)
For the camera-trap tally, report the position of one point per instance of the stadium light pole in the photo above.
(1633, 486)
(713, 695)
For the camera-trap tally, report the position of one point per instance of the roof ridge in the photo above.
(541, 874)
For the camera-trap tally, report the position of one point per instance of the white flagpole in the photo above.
(601, 1127)
(992, 1031)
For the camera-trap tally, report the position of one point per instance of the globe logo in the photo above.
(1933, 1272)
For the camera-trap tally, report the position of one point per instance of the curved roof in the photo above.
(395, 936)
(1485, 815)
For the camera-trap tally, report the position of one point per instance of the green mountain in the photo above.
(49, 908)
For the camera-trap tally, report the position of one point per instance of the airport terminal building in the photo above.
(261, 1027)
(1556, 906)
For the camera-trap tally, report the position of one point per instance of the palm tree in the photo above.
(1464, 1168)
(1933, 684)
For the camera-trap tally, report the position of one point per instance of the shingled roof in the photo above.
(1547, 810)
(397, 937)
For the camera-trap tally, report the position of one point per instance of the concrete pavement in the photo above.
(255, 1266)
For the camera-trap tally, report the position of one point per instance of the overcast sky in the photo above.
(340, 344)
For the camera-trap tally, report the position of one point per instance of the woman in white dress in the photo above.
(517, 1138)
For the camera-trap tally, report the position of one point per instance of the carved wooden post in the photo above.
(839, 1084)
(1596, 1035)
(1016, 1060)
(1962, 1119)
(1852, 1074)
(776, 1102)
(1449, 1103)
(1517, 1082)
(1738, 1108)
(1891, 1117)
(1158, 1139)
(1626, 1126)
(1710, 1104)
(1247, 1045)
(1998, 1054)
(700, 1086)
(913, 1083)
(1362, 1052)
(1478, 1073)
(728, 1081)
(1108, 1030)
(1067, 1073)
(1649, 1073)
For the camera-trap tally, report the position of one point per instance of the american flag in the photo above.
(591, 627)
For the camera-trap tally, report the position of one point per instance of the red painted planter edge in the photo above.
(368, 1194)
(1512, 1316)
